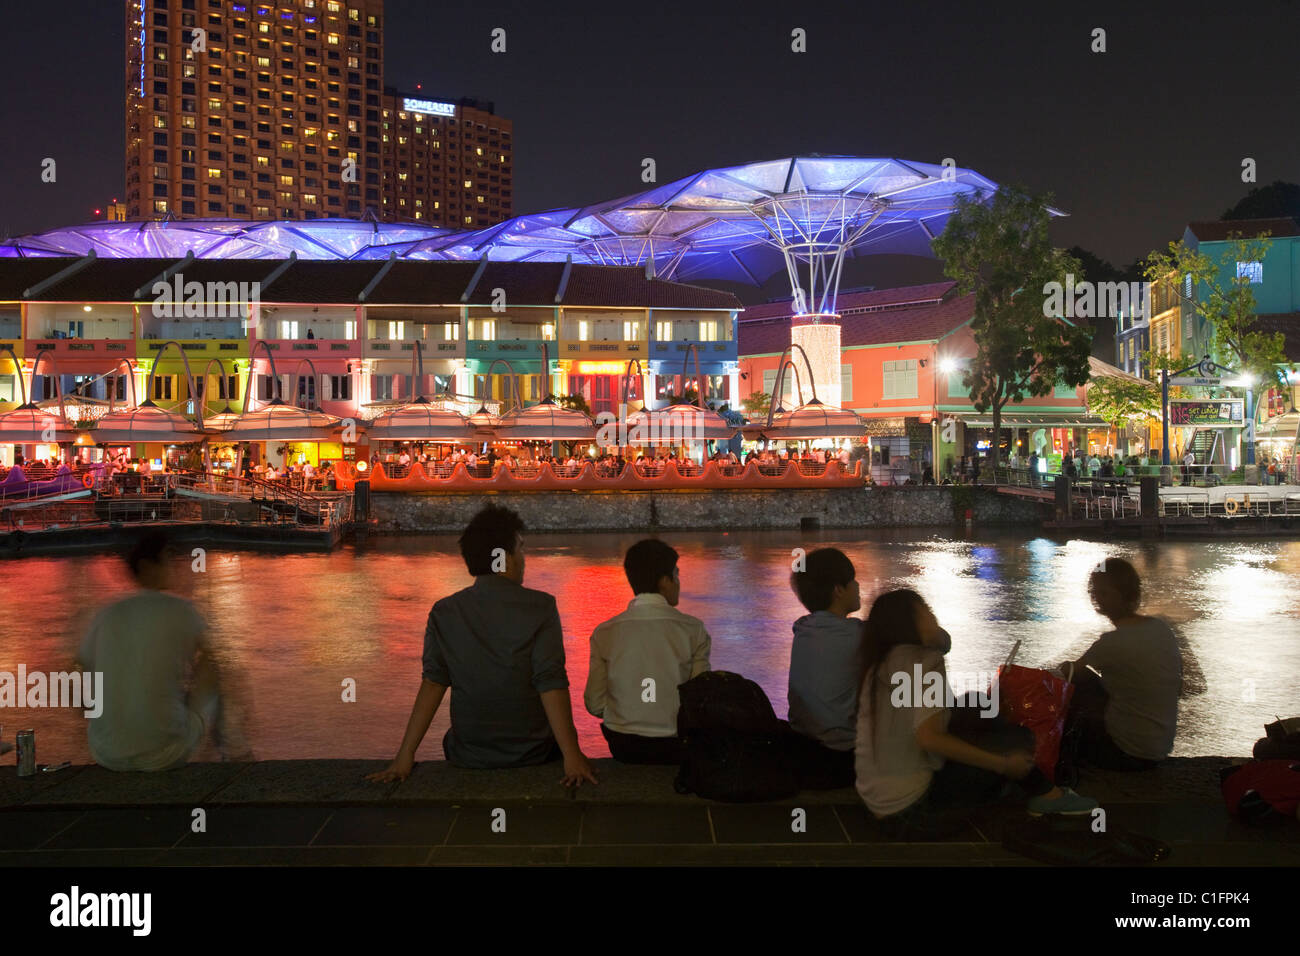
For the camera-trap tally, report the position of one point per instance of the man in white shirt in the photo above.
(148, 646)
(639, 657)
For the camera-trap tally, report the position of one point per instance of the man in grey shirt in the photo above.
(1128, 716)
(499, 647)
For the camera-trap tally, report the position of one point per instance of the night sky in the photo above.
(1134, 142)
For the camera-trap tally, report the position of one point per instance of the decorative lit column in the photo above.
(818, 334)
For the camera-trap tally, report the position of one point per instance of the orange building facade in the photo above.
(903, 356)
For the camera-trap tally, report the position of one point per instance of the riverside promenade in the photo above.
(323, 813)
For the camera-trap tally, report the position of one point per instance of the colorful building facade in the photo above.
(904, 352)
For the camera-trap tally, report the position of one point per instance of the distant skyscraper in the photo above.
(448, 164)
(256, 110)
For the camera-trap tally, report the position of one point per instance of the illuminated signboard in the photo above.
(428, 106)
(601, 368)
(1227, 414)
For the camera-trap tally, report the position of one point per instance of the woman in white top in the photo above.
(920, 751)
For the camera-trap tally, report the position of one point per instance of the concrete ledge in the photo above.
(342, 783)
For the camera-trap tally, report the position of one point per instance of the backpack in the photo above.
(1262, 792)
(735, 745)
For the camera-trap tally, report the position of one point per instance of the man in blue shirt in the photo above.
(499, 647)
(827, 661)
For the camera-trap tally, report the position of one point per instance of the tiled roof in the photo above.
(410, 282)
(908, 323)
(852, 301)
(1217, 230)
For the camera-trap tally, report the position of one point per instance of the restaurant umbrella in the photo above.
(29, 424)
(277, 420)
(146, 422)
(809, 421)
(419, 419)
(545, 421)
(678, 423)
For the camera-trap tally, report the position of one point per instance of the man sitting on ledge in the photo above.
(639, 657)
(499, 647)
(1126, 718)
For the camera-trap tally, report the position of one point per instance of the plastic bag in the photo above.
(1039, 700)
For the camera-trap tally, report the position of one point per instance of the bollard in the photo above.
(1150, 495)
(361, 500)
(1062, 486)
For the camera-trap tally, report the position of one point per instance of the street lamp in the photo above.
(944, 366)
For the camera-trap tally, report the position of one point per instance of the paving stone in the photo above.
(80, 859)
(862, 827)
(259, 827)
(645, 824)
(769, 824)
(499, 856)
(525, 825)
(386, 826)
(30, 829)
(123, 829)
(295, 856)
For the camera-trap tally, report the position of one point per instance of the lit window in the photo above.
(664, 330)
(584, 330)
(396, 331)
(631, 330)
(708, 330)
(548, 331)
(1252, 271)
(451, 331)
(214, 173)
(469, 183)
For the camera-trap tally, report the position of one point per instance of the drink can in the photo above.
(26, 741)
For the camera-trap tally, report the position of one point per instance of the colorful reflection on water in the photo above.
(292, 628)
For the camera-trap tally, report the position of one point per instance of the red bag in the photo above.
(1263, 790)
(1039, 700)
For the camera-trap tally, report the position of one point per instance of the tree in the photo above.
(1274, 201)
(1124, 401)
(689, 398)
(757, 404)
(1227, 306)
(574, 401)
(1000, 250)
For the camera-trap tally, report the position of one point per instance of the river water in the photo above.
(291, 629)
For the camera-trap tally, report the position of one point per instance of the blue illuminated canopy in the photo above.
(741, 223)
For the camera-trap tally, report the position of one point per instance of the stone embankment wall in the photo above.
(893, 507)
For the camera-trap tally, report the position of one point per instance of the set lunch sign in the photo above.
(1215, 414)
